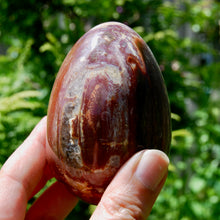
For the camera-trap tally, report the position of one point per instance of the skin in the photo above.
(130, 195)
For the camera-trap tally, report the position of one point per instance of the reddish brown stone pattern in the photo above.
(108, 101)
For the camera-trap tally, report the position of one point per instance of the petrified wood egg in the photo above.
(108, 101)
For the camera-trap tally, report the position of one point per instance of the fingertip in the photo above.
(152, 168)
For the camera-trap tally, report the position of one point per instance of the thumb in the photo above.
(133, 191)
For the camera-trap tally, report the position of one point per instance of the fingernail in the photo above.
(152, 168)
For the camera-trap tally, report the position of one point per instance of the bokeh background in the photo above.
(184, 35)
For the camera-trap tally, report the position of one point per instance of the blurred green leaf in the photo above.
(17, 101)
(197, 184)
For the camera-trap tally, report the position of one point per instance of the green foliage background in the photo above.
(184, 35)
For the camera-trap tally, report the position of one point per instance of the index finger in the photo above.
(22, 172)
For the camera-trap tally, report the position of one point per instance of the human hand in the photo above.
(130, 195)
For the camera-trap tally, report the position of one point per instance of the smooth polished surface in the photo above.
(108, 102)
